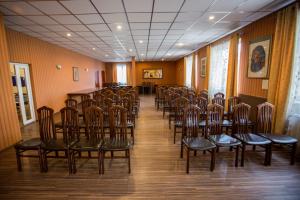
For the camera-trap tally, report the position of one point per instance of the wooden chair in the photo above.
(214, 130)
(171, 109)
(219, 94)
(51, 143)
(85, 97)
(127, 103)
(118, 140)
(232, 101)
(71, 103)
(92, 143)
(219, 100)
(264, 127)
(190, 137)
(180, 104)
(45, 115)
(99, 98)
(241, 125)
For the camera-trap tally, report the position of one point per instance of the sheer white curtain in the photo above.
(218, 68)
(121, 73)
(188, 70)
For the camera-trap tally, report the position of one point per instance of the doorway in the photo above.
(22, 93)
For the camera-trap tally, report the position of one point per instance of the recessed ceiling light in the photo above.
(106, 55)
(94, 48)
(180, 44)
(130, 50)
(69, 34)
(162, 59)
(211, 17)
(141, 41)
(168, 54)
(119, 27)
(142, 54)
(241, 12)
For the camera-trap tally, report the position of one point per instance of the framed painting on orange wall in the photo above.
(203, 67)
(259, 56)
(75, 73)
(152, 73)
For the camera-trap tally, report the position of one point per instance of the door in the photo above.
(23, 96)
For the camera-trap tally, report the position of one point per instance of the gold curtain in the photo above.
(184, 70)
(193, 78)
(114, 73)
(128, 73)
(231, 86)
(281, 65)
(207, 67)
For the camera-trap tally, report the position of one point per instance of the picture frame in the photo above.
(75, 73)
(152, 73)
(203, 67)
(259, 57)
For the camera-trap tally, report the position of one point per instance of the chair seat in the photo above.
(81, 124)
(252, 139)
(85, 145)
(227, 123)
(116, 144)
(33, 143)
(198, 143)
(279, 139)
(55, 145)
(224, 140)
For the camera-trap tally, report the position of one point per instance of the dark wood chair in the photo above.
(99, 98)
(191, 141)
(219, 100)
(51, 143)
(219, 94)
(118, 140)
(128, 104)
(214, 130)
(171, 109)
(71, 103)
(264, 127)
(92, 143)
(85, 97)
(232, 101)
(241, 132)
(180, 104)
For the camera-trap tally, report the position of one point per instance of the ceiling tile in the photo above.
(6, 11)
(167, 5)
(56, 27)
(254, 5)
(188, 16)
(98, 27)
(18, 28)
(155, 25)
(79, 7)
(158, 32)
(225, 5)
(38, 28)
(50, 7)
(19, 20)
(109, 6)
(139, 17)
(21, 8)
(42, 19)
(115, 18)
(138, 5)
(77, 27)
(237, 16)
(140, 32)
(176, 32)
(181, 25)
(104, 33)
(163, 17)
(137, 26)
(90, 18)
(66, 19)
(196, 5)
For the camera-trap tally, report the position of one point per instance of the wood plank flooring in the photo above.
(157, 172)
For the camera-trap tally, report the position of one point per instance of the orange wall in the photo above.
(168, 67)
(50, 85)
(9, 126)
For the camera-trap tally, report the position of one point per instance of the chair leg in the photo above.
(40, 160)
(67, 152)
(45, 161)
(73, 160)
(237, 156)
(187, 160)
(132, 134)
(103, 157)
(195, 153)
(128, 157)
(218, 149)
(181, 149)
(174, 134)
(213, 159)
(100, 161)
(243, 155)
(254, 147)
(19, 162)
(293, 153)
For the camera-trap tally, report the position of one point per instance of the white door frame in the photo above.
(17, 67)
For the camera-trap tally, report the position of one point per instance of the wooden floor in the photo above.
(157, 172)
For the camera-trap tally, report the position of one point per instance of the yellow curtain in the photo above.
(207, 67)
(281, 65)
(231, 87)
(184, 71)
(193, 78)
(128, 73)
(114, 73)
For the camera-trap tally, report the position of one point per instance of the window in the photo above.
(294, 99)
(121, 73)
(188, 70)
(218, 68)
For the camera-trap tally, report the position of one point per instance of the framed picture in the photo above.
(75, 73)
(203, 67)
(152, 73)
(259, 56)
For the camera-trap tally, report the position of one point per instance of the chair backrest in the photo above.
(94, 123)
(85, 97)
(180, 104)
(202, 104)
(241, 114)
(219, 100)
(232, 101)
(46, 123)
(214, 119)
(87, 103)
(70, 128)
(118, 122)
(264, 117)
(203, 95)
(191, 96)
(128, 104)
(99, 98)
(191, 121)
(71, 103)
(219, 94)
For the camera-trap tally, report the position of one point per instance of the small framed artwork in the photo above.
(152, 73)
(259, 56)
(75, 73)
(203, 67)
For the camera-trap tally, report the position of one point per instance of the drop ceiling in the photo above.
(116, 30)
